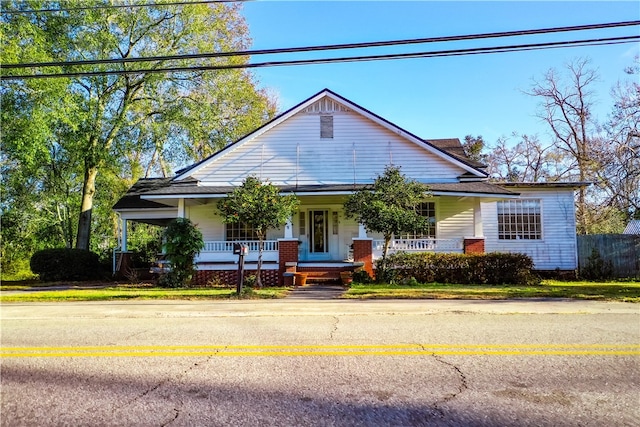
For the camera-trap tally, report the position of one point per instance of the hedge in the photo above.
(490, 268)
(66, 264)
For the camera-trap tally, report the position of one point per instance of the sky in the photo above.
(447, 97)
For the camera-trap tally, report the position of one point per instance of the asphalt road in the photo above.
(321, 363)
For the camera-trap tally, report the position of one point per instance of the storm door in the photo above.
(318, 232)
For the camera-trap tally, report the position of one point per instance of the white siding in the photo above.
(455, 217)
(208, 220)
(293, 152)
(557, 248)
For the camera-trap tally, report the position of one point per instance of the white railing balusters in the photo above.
(418, 245)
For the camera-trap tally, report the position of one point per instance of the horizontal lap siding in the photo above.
(274, 154)
(454, 217)
(557, 249)
(208, 220)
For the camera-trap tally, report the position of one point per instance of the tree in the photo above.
(473, 147)
(619, 175)
(526, 161)
(389, 207)
(260, 206)
(100, 120)
(566, 103)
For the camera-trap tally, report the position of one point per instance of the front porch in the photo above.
(217, 261)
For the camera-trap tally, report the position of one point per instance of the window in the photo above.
(426, 209)
(519, 219)
(326, 127)
(240, 231)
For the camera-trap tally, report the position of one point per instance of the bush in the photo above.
(66, 264)
(362, 276)
(183, 243)
(597, 268)
(491, 268)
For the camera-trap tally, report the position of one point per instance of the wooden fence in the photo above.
(622, 250)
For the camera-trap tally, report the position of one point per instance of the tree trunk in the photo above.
(259, 268)
(84, 221)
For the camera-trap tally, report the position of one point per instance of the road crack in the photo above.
(177, 414)
(462, 384)
(173, 378)
(334, 329)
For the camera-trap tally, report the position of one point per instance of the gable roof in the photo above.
(454, 147)
(444, 148)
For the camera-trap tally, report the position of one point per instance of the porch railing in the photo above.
(418, 245)
(222, 251)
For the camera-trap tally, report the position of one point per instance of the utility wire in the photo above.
(442, 53)
(328, 47)
(117, 6)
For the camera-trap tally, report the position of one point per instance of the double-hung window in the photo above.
(428, 210)
(240, 231)
(519, 219)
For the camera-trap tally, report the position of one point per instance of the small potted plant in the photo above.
(346, 277)
(300, 279)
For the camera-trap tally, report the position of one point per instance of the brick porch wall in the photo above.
(474, 246)
(287, 252)
(363, 252)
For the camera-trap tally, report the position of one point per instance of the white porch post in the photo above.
(477, 219)
(288, 229)
(181, 208)
(123, 235)
(362, 231)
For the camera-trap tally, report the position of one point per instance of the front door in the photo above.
(318, 233)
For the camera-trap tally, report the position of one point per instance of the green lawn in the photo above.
(628, 291)
(130, 292)
(608, 291)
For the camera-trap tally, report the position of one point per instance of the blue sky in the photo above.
(438, 97)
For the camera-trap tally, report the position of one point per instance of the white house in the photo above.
(322, 150)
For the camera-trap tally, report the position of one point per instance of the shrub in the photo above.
(66, 264)
(597, 268)
(491, 268)
(183, 243)
(362, 276)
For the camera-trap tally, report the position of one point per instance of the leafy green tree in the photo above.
(183, 241)
(103, 121)
(389, 207)
(473, 147)
(261, 207)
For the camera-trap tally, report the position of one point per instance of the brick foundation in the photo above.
(474, 246)
(363, 252)
(230, 277)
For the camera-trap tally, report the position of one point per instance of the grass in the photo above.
(605, 291)
(626, 291)
(133, 292)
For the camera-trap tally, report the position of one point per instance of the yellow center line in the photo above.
(246, 350)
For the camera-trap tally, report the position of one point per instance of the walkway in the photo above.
(317, 292)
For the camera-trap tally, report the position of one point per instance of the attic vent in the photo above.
(326, 127)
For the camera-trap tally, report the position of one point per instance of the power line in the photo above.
(118, 6)
(328, 47)
(442, 53)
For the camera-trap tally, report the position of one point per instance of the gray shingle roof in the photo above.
(166, 187)
(454, 147)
